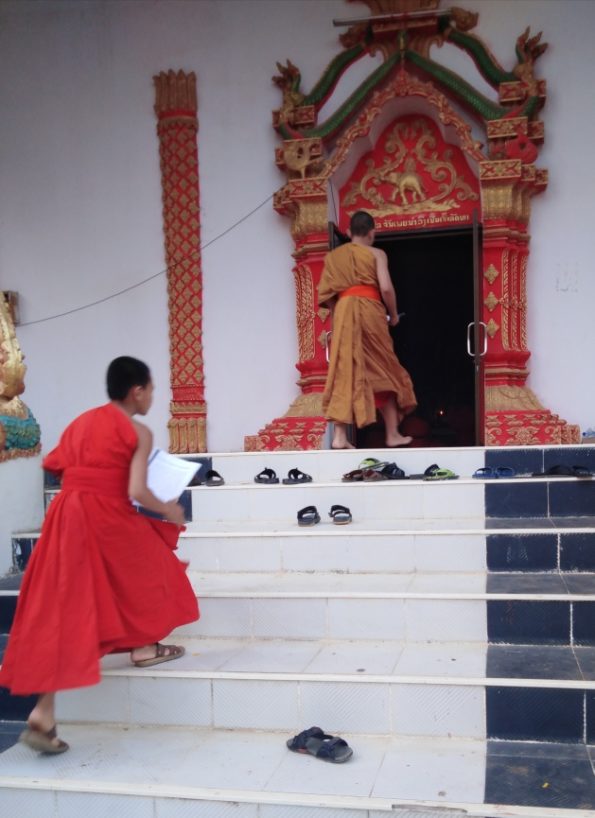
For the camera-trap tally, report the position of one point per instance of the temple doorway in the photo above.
(433, 273)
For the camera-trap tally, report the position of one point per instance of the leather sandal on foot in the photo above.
(308, 516)
(295, 476)
(163, 653)
(266, 476)
(340, 515)
(43, 742)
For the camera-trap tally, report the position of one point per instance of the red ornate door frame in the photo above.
(316, 154)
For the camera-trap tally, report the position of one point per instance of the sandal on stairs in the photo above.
(213, 478)
(295, 476)
(163, 653)
(340, 515)
(266, 476)
(43, 742)
(320, 745)
(308, 516)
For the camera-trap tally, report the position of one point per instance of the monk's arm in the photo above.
(386, 288)
(137, 484)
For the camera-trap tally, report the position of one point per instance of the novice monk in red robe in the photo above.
(102, 578)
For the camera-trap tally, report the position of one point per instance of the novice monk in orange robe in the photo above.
(102, 578)
(364, 373)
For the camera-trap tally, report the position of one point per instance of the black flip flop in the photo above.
(295, 476)
(340, 515)
(562, 470)
(213, 478)
(308, 516)
(392, 472)
(267, 476)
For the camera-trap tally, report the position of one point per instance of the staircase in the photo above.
(448, 634)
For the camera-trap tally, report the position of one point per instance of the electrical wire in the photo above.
(150, 278)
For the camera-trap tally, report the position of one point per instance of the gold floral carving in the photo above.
(323, 313)
(407, 190)
(301, 157)
(404, 85)
(187, 434)
(510, 398)
(308, 405)
(523, 292)
(310, 217)
(492, 327)
(491, 301)
(505, 298)
(304, 291)
(491, 274)
(500, 169)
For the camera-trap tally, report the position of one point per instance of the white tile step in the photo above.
(182, 773)
(352, 661)
(335, 585)
(323, 465)
(398, 499)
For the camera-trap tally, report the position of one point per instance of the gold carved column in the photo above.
(177, 127)
(303, 426)
(513, 414)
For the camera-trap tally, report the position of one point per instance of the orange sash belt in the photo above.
(363, 291)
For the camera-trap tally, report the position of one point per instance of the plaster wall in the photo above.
(21, 502)
(80, 212)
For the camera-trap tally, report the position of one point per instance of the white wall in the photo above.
(21, 502)
(80, 211)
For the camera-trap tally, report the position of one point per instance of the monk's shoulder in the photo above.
(378, 253)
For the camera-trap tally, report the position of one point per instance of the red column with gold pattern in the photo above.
(177, 127)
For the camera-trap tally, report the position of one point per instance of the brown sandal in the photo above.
(42, 741)
(163, 653)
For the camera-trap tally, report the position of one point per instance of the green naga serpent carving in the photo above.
(528, 49)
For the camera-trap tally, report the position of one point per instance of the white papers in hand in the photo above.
(168, 475)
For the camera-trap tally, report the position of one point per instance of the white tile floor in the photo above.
(249, 765)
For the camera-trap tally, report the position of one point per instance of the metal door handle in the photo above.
(469, 325)
(327, 338)
(485, 339)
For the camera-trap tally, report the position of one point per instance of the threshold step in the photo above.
(179, 772)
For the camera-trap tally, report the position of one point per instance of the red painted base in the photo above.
(528, 428)
(288, 434)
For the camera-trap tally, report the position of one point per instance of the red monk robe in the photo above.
(102, 577)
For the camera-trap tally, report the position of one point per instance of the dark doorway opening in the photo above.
(432, 272)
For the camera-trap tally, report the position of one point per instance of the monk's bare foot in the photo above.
(398, 440)
(344, 445)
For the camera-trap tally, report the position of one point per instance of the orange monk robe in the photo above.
(362, 360)
(102, 577)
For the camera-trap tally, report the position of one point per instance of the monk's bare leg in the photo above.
(340, 437)
(392, 418)
(42, 718)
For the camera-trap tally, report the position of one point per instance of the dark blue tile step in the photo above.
(546, 549)
(541, 621)
(551, 662)
(534, 774)
(556, 497)
(537, 714)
